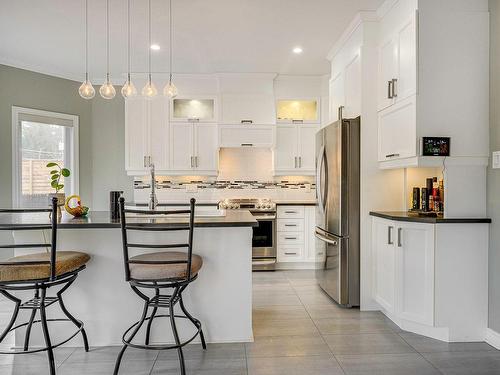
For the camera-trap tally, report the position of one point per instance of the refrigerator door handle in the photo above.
(319, 192)
(325, 239)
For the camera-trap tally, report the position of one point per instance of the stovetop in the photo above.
(254, 205)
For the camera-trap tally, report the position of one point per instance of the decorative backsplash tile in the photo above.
(140, 183)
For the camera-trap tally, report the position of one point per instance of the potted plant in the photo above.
(56, 175)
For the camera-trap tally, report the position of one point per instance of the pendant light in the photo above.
(86, 90)
(128, 88)
(107, 90)
(170, 89)
(149, 90)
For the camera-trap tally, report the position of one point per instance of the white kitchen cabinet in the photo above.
(146, 134)
(337, 95)
(294, 153)
(248, 108)
(398, 64)
(352, 88)
(299, 111)
(384, 264)
(194, 108)
(315, 252)
(246, 135)
(422, 45)
(397, 131)
(194, 150)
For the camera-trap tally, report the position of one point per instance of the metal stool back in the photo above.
(177, 284)
(40, 301)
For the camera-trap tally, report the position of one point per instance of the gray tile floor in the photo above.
(298, 331)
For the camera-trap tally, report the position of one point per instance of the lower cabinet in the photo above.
(296, 242)
(403, 269)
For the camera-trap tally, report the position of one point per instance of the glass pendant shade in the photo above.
(128, 89)
(149, 91)
(170, 90)
(107, 90)
(86, 90)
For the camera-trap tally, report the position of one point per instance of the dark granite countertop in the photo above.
(415, 217)
(102, 219)
(295, 203)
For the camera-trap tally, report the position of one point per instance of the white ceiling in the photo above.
(209, 35)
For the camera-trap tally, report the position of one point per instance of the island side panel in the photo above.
(221, 297)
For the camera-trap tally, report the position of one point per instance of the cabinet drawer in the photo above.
(290, 253)
(290, 238)
(290, 212)
(290, 225)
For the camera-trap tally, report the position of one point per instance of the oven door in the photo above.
(263, 245)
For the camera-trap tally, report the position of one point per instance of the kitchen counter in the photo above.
(415, 217)
(102, 219)
(221, 297)
(296, 203)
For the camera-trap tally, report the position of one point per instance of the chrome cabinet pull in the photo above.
(389, 235)
(194, 119)
(289, 253)
(295, 162)
(394, 91)
(297, 121)
(341, 112)
(400, 230)
(247, 121)
(300, 161)
(389, 89)
(246, 144)
(290, 225)
(290, 212)
(290, 238)
(391, 155)
(192, 164)
(196, 162)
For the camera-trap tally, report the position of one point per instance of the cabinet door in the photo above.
(285, 153)
(242, 108)
(195, 108)
(315, 252)
(415, 275)
(353, 88)
(304, 111)
(406, 84)
(246, 136)
(397, 133)
(206, 145)
(384, 264)
(159, 132)
(181, 143)
(136, 139)
(337, 96)
(388, 58)
(306, 149)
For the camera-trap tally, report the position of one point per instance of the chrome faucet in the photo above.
(153, 201)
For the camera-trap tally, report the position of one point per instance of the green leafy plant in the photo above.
(56, 174)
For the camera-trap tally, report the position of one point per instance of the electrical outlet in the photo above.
(192, 188)
(495, 160)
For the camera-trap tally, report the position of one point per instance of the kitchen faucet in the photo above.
(153, 201)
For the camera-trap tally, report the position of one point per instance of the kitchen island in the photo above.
(221, 297)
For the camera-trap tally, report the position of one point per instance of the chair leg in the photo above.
(43, 318)
(75, 322)
(195, 321)
(14, 314)
(28, 329)
(176, 335)
(122, 351)
(150, 322)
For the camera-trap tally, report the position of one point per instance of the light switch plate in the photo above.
(495, 160)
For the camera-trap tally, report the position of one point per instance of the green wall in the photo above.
(101, 134)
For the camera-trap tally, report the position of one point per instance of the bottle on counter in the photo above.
(423, 200)
(415, 199)
(431, 203)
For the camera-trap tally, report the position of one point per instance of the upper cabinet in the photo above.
(247, 108)
(194, 109)
(301, 111)
(427, 85)
(294, 153)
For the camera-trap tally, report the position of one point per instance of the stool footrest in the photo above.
(163, 300)
(36, 302)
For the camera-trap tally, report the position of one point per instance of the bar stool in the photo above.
(38, 272)
(157, 271)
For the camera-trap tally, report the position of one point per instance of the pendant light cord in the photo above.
(149, 49)
(86, 40)
(107, 39)
(171, 38)
(128, 16)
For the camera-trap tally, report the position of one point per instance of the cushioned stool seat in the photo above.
(163, 271)
(66, 261)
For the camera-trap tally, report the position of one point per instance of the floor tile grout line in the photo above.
(421, 355)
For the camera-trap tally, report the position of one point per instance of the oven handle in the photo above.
(325, 239)
(268, 217)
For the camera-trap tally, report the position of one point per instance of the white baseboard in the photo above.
(492, 338)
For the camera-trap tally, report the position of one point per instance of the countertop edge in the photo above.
(403, 216)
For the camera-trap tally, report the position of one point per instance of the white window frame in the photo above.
(17, 112)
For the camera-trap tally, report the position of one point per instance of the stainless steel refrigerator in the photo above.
(337, 221)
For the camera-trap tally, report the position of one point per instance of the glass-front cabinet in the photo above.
(194, 109)
(297, 111)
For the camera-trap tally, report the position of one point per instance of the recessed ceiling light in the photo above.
(297, 50)
(155, 47)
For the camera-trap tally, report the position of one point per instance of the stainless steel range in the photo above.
(264, 235)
